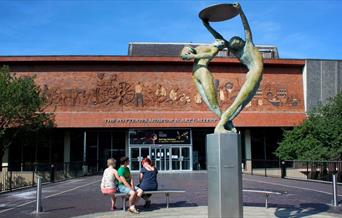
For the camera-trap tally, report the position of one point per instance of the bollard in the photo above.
(334, 190)
(39, 207)
(52, 173)
(283, 169)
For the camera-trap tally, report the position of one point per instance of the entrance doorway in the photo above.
(136, 155)
(169, 149)
(165, 157)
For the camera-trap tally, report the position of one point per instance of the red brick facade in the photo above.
(122, 91)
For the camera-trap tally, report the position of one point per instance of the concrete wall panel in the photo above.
(313, 83)
(324, 80)
(329, 75)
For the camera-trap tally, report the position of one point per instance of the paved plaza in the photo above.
(202, 212)
(82, 198)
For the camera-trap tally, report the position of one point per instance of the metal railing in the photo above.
(20, 175)
(305, 170)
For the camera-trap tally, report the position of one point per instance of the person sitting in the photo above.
(109, 180)
(148, 179)
(126, 185)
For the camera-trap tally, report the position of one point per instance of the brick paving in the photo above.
(81, 197)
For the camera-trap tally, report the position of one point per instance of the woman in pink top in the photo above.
(109, 181)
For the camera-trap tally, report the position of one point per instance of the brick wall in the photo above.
(150, 92)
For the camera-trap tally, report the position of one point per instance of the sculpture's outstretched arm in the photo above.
(213, 31)
(210, 53)
(248, 33)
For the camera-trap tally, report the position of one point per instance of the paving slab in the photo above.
(202, 212)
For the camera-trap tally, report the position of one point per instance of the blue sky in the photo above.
(300, 29)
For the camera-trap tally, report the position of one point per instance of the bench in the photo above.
(266, 192)
(167, 193)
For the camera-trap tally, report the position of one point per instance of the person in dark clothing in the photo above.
(148, 180)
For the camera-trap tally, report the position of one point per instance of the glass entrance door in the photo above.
(165, 158)
(175, 158)
(181, 158)
(161, 158)
(185, 158)
(137, 154)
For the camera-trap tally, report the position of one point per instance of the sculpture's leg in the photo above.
(230, 126)
(200, 90)
(205, 86)
(226, 119)
(244, 97)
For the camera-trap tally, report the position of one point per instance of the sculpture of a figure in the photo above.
(201, 76)
(248, 55)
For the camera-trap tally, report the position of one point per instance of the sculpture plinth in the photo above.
(224, 175)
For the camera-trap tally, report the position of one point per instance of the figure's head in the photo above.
(188, 50)
(146, 160)
(124, 161)
(111, 162)
(236, 43)
(219, 43)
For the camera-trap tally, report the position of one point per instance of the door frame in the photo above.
(140, 158)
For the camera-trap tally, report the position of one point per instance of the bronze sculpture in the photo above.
(201, 76)
(244, 50)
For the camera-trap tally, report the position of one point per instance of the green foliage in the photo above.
(318, 138)
(21, 107)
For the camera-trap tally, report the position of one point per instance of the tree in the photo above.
(21, 108)
(318, 138)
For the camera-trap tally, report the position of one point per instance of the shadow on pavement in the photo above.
(286, 210)
(305, 209)
(62, 208)
(178, 204)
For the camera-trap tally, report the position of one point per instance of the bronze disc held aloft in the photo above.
(220, 12)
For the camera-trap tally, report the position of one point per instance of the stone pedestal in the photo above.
(224, 176)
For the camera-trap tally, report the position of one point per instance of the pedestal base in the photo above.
(224, 176)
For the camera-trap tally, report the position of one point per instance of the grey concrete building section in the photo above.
(323, 80)
(313, 84)
(329, 74)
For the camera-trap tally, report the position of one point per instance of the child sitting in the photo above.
(109, 181)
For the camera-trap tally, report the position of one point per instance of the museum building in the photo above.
(145, 104)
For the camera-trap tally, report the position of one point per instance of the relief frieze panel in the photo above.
(109, 91)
